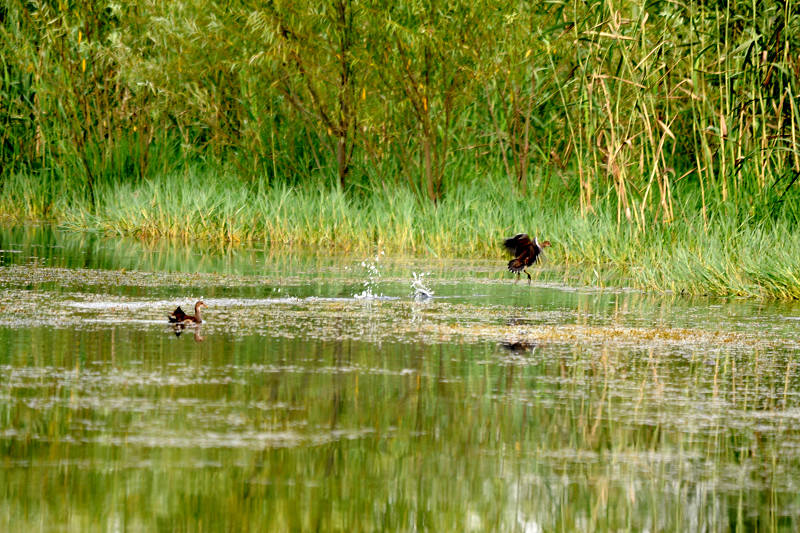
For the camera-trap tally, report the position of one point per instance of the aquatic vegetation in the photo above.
(687, 256)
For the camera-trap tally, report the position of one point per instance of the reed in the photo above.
(644, 134)
(627, 98)
(730, 255)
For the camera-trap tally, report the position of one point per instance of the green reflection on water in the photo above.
(299, 407)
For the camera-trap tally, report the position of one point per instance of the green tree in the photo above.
(310, 54)
(427, 54)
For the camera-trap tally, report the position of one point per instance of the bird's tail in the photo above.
(515, 265)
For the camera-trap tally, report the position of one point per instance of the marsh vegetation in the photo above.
(660, 138)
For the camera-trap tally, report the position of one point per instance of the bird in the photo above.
(179, 317)
(526, 252)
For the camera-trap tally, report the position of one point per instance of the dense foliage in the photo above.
(632, 100)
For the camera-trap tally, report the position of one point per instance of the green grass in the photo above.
(657, 140)
(728, 255)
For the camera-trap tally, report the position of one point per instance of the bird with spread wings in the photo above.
(526, 252)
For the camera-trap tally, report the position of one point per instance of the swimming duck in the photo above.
(178, 316)
(526, 252)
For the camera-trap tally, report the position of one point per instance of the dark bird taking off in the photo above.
(179, 317)
(526, 252)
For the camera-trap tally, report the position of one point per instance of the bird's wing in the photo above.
(518, 243)
(177, 315)
(528, 255)
(525, 257)
(536, 254)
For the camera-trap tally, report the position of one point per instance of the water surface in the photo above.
(320, 394)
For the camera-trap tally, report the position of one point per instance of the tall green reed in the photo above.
(625, 99)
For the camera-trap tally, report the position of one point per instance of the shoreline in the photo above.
(726, 257)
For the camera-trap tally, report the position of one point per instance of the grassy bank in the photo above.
(658, 138)
(728, 254)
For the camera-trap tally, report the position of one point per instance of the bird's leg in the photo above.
(528, 274)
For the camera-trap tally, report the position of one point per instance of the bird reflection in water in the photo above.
(519, 347)
(180, 327)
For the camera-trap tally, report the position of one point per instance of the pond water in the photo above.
(321, 394)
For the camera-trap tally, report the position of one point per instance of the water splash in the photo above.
(421, 291)
(373, 278)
